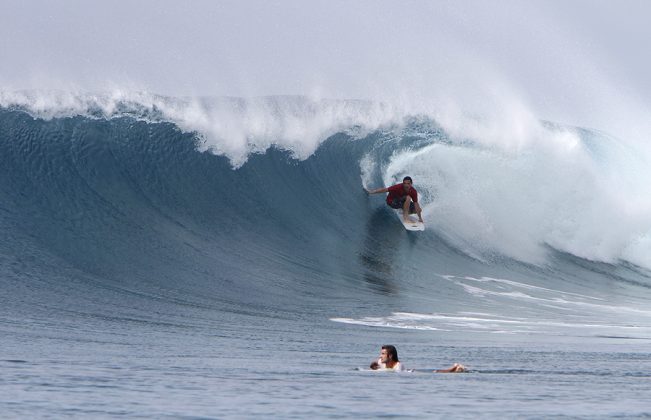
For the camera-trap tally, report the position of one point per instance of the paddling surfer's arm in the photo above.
(377, 191)
(456, 368)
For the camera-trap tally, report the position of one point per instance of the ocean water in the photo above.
(168, 258)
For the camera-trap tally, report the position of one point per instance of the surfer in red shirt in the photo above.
(402, 196)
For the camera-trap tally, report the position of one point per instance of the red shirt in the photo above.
(398, 191)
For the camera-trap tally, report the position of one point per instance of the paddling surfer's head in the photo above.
(388, 354)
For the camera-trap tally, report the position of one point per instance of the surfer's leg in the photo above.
(418, 212)
(405, 208)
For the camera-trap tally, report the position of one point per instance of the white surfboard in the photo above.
(413, 224)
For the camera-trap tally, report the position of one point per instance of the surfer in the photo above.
(402, 196)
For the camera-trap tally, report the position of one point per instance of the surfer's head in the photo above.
(407, 182)
(389, 354)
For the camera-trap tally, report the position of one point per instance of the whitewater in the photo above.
(210, 257)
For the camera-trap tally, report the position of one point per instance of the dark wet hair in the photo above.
(407, 178)
(391, 350)
(375, 365)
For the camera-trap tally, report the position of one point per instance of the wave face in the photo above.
(137, 203)
(492, 187)
(83, 174)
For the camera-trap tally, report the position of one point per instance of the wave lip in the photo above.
(234, 127)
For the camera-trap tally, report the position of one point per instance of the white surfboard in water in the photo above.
(413, 224)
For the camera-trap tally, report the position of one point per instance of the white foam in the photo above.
(563, 301)
(588, 324)
(551, 188)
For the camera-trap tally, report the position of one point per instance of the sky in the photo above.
(577, 62)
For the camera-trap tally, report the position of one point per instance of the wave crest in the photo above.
(234, 127)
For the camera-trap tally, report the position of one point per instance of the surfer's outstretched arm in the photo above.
(377, 191)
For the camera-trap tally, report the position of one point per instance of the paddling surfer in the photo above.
(402, 196)
(388, 360)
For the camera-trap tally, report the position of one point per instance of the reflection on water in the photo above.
(383, 236)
